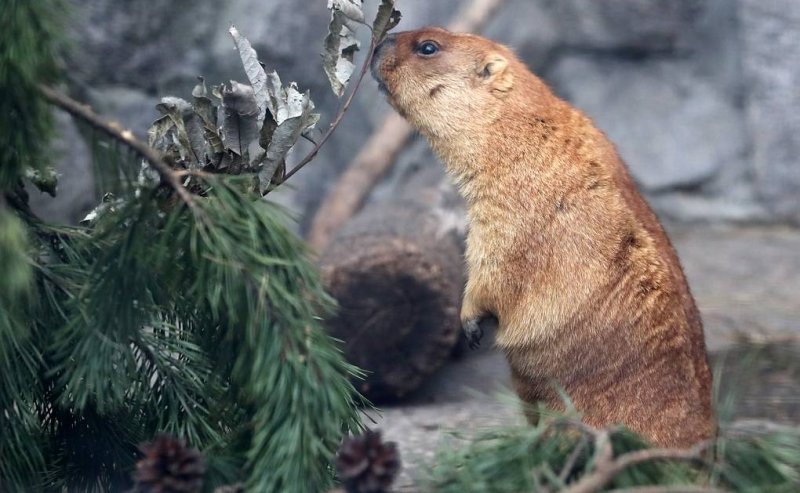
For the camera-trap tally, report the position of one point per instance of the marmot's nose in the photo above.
(388, 41)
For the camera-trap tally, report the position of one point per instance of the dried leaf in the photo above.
(340, 43)
(195, 131)
(179, 111)
(240, 117)
(276, 96)
(108, 205)
(157, 133)
(300, 118)
(202, 104)
(214, 140)
(351, 10)
(279, 175)
(267, 129)
(216, 91)
(386, 19)
(171, 104)
(254, 71)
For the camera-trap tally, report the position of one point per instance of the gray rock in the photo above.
(745, 281)
(636, 25)
(141, 43)
(130, 107)
(771, 61)
(536, 41)
(735, 206)
(668, 81)
(672, 128)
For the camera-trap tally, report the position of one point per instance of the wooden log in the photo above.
(396, 271)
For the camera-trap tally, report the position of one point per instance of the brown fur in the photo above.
(562, 249)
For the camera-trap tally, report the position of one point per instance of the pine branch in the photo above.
(569, 465)
(126, 137)
(30, 36)
(669, 489)
(607, 467)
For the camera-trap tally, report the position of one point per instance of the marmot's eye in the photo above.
(427, 48)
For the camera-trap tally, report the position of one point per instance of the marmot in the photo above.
(562, 249)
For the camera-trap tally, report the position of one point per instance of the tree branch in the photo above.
(339, 115)
(572, 459)
(669, 489)
(607, 467)
(168, 175)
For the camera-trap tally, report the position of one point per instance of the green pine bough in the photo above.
(182, 304)
(31, 31)
(561, 454)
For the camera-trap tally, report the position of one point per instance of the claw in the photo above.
(474, 333)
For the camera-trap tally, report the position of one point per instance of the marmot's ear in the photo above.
(494, 70)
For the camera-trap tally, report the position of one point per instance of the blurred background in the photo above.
(702, 98)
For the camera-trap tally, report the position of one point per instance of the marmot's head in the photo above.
(442, 82)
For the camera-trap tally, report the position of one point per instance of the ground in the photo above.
(746, 281)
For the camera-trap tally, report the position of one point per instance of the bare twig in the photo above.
(168, 175)
(572, 459)
(669, 489)
(605, 452)
(381, 149)
(606, 467)
(339, 115)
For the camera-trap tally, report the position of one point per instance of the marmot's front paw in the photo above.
(474, 332)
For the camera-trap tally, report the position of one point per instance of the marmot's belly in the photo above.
(655, 395)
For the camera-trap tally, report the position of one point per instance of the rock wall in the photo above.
(700, 96)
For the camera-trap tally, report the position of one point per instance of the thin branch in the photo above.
(669, 489)
(113, 130)
(338, 118)
(380, 150)
(569, 465)
(605, 469)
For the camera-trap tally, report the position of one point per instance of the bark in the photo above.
(397, 274)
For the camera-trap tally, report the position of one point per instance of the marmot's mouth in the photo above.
(376, 74)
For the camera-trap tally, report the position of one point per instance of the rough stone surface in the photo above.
(698, 95)
(73, 163)
(771, 60)
(638, 25)
(138, 42)
(673, 129)
(746, 281)
(132, 108)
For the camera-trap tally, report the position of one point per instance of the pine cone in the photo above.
(169, 466)
(367, 465)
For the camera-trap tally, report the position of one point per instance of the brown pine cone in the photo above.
(169, 466)
(367, 465)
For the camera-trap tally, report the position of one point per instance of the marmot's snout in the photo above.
(377, 59)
